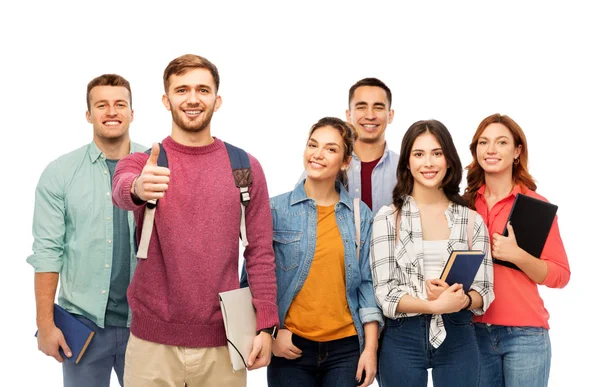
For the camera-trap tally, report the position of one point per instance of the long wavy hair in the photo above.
(520, 173)
(450, 183)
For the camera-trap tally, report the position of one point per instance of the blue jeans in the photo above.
(330, 363)
(513, 356)
(105, 352)
(405, 353)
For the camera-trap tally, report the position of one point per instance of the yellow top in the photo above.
(320, 310)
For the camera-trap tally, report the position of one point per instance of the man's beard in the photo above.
(192, 126)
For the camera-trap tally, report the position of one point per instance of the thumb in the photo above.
(509, 228)
(153, 159)
(63, 344)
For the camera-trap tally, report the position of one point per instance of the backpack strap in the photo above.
(242, 174)
(148, 225)
(470, 228)
(357, 225)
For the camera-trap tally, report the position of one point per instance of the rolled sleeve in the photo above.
(48, 222)
(484, 279)
(384, 269)
(368, 310)
(559, 272)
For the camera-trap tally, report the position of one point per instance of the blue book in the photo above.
(461, 267)
(77, 334)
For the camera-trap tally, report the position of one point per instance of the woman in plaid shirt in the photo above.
(429, 323)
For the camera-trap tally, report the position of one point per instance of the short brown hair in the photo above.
(184, 63)
(108, 80)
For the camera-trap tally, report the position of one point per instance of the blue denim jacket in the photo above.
(294, 242)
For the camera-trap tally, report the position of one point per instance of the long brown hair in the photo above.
(520, 174)
(406, 181)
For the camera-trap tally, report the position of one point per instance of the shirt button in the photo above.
(356, 167)
(102, 155)
(357, 190)
(105, 172)
(104, 292)
(107, 266)
(108, 194)
(108, 218)
(109, 241)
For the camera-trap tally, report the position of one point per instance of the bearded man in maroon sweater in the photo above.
(177, 332)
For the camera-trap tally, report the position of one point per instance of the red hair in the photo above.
(476, 175)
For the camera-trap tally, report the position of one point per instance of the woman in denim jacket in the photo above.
(327, 310)
(429, 323)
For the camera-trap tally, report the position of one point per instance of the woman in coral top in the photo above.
(513, 333)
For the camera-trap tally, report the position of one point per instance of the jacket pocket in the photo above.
(287, 249)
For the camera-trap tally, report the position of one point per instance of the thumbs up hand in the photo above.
(153, 182)
(505, 248)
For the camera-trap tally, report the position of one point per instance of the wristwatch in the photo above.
(272, 331)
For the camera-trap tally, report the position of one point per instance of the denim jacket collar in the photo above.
(299, 194)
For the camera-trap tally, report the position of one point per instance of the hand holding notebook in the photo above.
(77, 335)
(461, 267)
(531, 220)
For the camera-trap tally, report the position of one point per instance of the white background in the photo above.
(284, 66)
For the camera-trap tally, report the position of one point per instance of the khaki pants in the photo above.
(150, 364)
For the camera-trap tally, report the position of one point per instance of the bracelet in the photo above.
(470, 301)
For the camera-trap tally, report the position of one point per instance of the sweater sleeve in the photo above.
(259, 255)
(128, 168)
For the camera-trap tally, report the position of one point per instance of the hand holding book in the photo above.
(505, 248)
(51, 342)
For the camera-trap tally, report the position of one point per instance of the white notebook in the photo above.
(239, 318)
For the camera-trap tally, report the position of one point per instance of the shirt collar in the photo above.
(95, 152)
(384, 156)
(516, 190)
(299, 194)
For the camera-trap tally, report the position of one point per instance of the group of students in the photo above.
(345, 290)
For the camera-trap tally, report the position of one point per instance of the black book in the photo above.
(531, 220)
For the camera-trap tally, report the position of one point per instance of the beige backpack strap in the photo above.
(470, 228)
(147, 227)
(357, 225)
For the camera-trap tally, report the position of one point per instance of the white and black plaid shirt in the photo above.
(397, 267)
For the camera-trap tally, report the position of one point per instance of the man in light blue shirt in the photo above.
(80, 236)
(372, 172)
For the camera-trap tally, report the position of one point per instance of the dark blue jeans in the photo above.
(330, 363)
(105, 352)
(406, 354)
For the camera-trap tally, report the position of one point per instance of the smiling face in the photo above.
(427, 162)
(324, 154)
(192, 99)
(110, 112)
(496, 151)
(370, 113)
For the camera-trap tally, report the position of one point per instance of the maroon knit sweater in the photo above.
(194, 247)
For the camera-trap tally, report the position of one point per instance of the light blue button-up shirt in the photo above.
(73, 229)
(383, 179)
